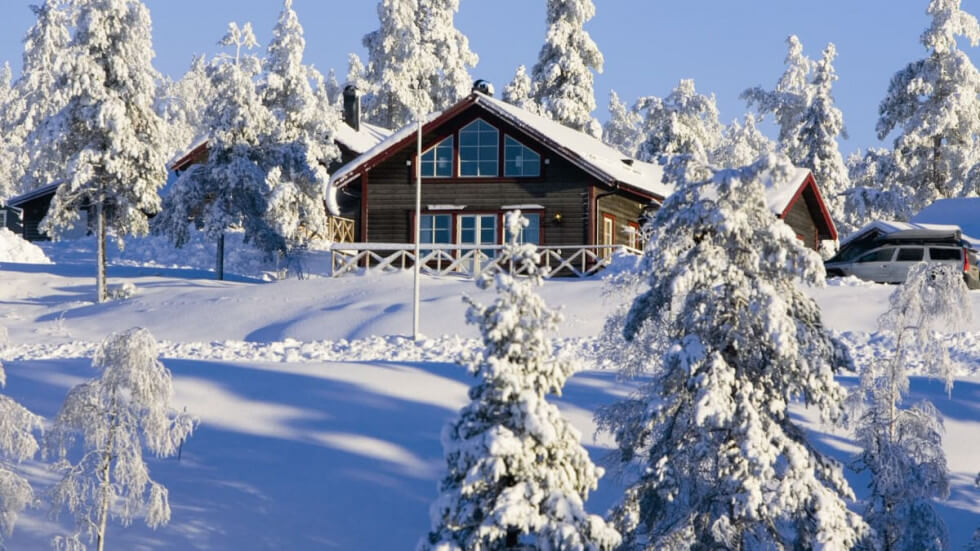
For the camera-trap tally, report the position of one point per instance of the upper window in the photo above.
(478, 142)
(520, 160)
(880, 255)
(437, 162)
(909, 255)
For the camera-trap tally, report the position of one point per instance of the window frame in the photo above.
(523, 147)
(498, 151)
(434, 149)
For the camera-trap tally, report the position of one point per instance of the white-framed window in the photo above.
(532, 232)
(437, 162)
(520, 160)
(608, 236)
(633, 237)
(436, 228)
(478, 148)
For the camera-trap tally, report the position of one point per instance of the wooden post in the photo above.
(219, 267)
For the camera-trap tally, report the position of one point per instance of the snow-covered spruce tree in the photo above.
(230, 189)
(108, 139)
(182, 105)
(450, 80)
(720, 462)
(683, 123)
(874, 194)
(517, 473)
(301, 144)
(902, 448)
(789, 100)
(562, 78)
(17, 443)
(520, 91)
(38, 94)
(622, 130)
(822, 122)
(398, 68)
(741, 144)
(8, 147)
(932, 104)
(332, 88)
(112, 418)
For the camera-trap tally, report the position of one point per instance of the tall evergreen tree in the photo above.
(518, 474)
(562, 78)
(450, 79)
(789, 100)
(902, 448)
(622, 130)
(875, 194)
(683, 123)
(520, 91)
(182, 105)
(38, 94)
(721, 463)
(108, 140)
(933, 104)
(741, 144)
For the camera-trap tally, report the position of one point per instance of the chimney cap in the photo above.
(351, 90)
(483, 87)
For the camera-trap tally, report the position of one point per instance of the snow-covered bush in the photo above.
(17, 443)
(111, 419)
(728, 339)
(518, 475)
(902, 448)
(122, 291)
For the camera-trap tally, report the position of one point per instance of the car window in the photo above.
(909, 255)
(944, 254)
(880, 255)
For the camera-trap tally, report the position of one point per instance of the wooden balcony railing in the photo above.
(340, 230)
(469, 260)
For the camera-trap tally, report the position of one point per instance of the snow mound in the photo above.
(14, 248)
(849, 281)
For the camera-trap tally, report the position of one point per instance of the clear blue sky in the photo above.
(725, 46)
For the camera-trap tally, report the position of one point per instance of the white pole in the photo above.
(418, 232)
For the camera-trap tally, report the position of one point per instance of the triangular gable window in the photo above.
(520, 160)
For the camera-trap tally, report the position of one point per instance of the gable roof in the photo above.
(783, 192)
(591, 155)
(33, 194)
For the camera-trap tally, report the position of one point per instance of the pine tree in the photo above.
(683, 123)
(741, 144)
(398, 67)
(520, 92)
(8, 148)
(562, 78)
(109, 140)
(874, 193)
(38, 94)
(789, 100)
(622, 130)
(822, 122)
(182, 106)
(450, 79)
(721, 463)
(301, 144)
(332, 88)
(17, 443)
(902, 448)
(932, 103)
(517, 472)
(230, 190)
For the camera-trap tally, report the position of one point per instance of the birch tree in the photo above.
(110, 420)
(902, 447)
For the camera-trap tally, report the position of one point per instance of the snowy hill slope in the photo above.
(319, 429)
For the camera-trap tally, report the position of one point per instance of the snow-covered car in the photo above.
(887, 259)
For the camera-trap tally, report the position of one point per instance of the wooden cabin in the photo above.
(798, 202)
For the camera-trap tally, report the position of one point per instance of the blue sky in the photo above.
(725, 46)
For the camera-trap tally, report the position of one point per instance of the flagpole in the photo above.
(418, 232)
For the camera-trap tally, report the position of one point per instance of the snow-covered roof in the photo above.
(780, 191)
(361, 140)
(33, 194)
(590, 154)
(963, 212)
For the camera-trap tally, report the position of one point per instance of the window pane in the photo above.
(881, 255)
(437, 161)
(909, 255)
(531, 233)
(520, 160)
(944, 254)
(478, 149)
(488, 168)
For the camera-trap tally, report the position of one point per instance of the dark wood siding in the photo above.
(625, 208)
(34, 211)
(800, 219)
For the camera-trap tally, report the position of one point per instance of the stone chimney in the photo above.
(352, 107)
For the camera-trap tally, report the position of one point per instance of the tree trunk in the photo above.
(220, 262)
(100, 294)
(937, 143)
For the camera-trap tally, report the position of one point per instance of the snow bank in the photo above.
(13, 248)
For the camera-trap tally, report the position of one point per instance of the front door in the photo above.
(476, 229)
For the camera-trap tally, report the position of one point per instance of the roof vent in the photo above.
(352, 107)
(628, 162)
(483, 87)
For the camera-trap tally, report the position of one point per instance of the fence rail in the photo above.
(339, 229)
(469, 260)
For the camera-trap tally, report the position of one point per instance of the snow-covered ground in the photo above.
(320, 419)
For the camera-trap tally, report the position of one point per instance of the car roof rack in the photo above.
(923, 236)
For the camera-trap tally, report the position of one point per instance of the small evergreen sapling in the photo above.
(518, 475)
(902, 448)
(113, 418)
(729, 339)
